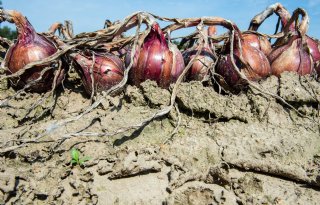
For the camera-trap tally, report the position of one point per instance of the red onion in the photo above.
(285, 16)
(107, 71)
(258, 41)
(98, 71)
(156, 60)
(312, 44)
(30, 47)
(200, 67)
(251, 61)
(314, 49)
(291, 53)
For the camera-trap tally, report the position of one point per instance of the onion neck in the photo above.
(258, 19)
(25, 29)
(277, 9)
(55, 27)
(284, 16)
(303, 26)
(156, 33)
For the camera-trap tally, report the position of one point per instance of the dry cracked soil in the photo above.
(211, 149)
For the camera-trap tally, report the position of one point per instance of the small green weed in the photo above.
(75, 157)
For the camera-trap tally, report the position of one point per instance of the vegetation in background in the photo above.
(5, 31)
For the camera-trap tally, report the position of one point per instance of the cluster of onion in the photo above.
(295, 51)
(156, 60)
(256, 58)
(97, 74)
(248, 54)
(244, 53)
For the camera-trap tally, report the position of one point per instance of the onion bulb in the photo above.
(98, 72)
(250, 60)
(155, 60)
(284, 17)
(291, 52)
(258, 41)
(30, 47)
(204, 61)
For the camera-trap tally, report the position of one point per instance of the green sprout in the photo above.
(76, 160)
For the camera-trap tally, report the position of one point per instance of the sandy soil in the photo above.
(227, 149)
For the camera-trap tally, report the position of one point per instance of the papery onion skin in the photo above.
(260, 42)
(107, 71)
(30, 47)
(312, 44)
(155, 60)
(212, 31)
(251, 62)
(314, 49)
(293, 51)
(201, 65)
(292, 57)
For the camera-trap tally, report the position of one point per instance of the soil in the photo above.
(213, 149)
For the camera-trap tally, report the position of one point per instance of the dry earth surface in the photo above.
(211, 149)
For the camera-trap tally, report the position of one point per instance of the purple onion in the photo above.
(258, 41)
(291, 52)
(29, 47)
(251, 61)
(202, 64)
(311, 44)
(107, 71)
(156, 60)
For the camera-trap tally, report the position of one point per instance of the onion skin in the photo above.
(30, 47)
(312, 44)
(292, 57)
(212, 31)
(204, 61)
(155, 60)
(107, 71)
(314, 50)
(200, 68)
(293, 51)
(252, 63)
(257, 41)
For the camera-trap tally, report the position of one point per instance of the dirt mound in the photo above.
(212, 149)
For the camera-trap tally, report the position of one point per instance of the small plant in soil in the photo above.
(76, 159)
